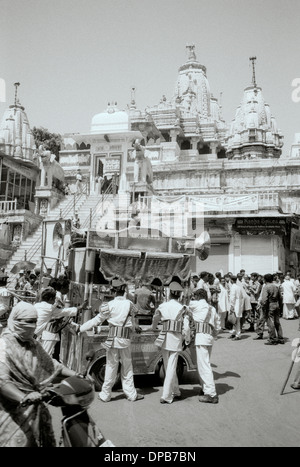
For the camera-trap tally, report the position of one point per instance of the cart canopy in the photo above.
(134, 265)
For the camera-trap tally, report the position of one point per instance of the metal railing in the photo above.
(87, 223)
(64, 213)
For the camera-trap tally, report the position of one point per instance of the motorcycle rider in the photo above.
(25, 369)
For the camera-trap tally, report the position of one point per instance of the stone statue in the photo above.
(142, 164)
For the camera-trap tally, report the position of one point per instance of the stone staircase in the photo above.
(90, 209)
(30, 248)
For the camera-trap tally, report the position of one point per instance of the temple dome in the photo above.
(192, 87)
(15, 133)
(112, 120)
(254, 124)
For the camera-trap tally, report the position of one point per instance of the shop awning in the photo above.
(132, 265)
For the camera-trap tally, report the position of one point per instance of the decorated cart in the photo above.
(131, 255)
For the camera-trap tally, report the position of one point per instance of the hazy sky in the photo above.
(72, 57)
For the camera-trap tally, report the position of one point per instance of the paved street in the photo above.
(251, 413)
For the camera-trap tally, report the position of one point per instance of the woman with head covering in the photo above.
(25, 369)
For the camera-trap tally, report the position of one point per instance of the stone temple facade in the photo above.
(30, 181)
(245, 192)
(191, 168)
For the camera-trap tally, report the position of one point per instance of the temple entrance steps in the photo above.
(30, 248)
(89, 208)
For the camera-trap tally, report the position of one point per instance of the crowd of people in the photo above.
(251, 297)
(242, 295)
(27, 357)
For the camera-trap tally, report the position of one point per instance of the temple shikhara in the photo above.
(175, 169)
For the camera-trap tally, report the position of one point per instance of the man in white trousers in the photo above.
(236, 307)
(208, 325)
(119, 314)
(172, 314)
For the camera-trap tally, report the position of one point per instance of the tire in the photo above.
(161, 370)
(180, 369)
(98, 373)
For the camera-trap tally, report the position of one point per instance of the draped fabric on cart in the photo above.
(129, 265)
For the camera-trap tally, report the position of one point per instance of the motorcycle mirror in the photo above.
(90, 355)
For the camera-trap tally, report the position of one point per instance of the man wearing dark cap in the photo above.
(119, 313)
(174, 319)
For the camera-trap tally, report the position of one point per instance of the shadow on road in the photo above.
(223, 388)
(227, 374)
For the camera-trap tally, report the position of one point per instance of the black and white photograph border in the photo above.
(146, 143)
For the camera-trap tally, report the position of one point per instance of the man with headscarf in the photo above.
(25, 369)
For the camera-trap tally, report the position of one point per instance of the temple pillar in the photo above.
(194, 141)
(213, 146)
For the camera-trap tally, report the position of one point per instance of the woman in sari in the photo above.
(25, 369)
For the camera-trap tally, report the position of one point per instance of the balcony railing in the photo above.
(243, 202)
(8, 206)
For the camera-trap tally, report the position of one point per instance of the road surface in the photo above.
(251, 412)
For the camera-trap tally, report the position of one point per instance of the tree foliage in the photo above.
(51, 141)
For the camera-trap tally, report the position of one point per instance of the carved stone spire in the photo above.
(253, 59)
(191, 51)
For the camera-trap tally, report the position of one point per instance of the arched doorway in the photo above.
(185, 145)
(204, 149)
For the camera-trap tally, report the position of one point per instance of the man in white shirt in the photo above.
(5, 297)
(223, 303)
(288, 290)
(48, 312)
(236, 307)
(203, 284)
(171, 314)
(78, 181)
(119, 313)
(207, 327)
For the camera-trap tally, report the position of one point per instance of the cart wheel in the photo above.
(180, 369)
(98, 374)
(161, 370)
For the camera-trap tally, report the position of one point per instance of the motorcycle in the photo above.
(74, 395)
